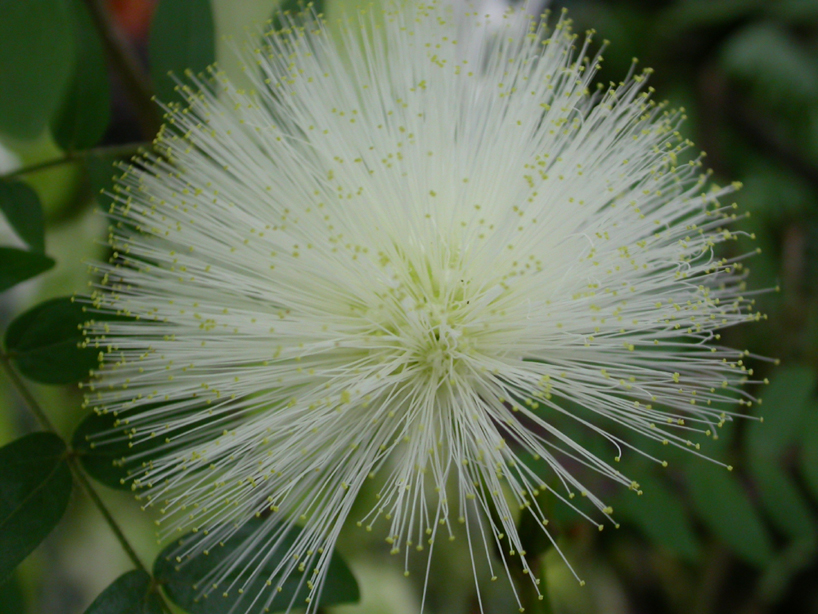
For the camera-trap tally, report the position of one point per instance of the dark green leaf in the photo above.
(529, 528)
(784, 503)
(109, 452)
(627, 25)
(103, 446)
(182, 37)
(684, 16)
(293, 8)
(21, 206)
(765, 56)
(103, 459)
(180, 579)
(782, 407)
(809, 452)
(12, 599)
(101, 173)
(790, 560)
(81, 120)
(131, 593)
(37, 55)
(659, 514)
(35, 484)
(771, 192)
(798, 12)
(726, 510)
(17, 265)
(43, 342)
(717, 448)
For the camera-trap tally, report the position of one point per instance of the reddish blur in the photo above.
(133, 17)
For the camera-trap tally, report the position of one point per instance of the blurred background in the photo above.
(700, 539)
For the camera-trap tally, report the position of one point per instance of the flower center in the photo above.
(440, 341)
(428, 325)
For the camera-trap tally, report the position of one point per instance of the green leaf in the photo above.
(789, 561)
(17, 265)
(101, 178)
(43, 342)
(37, 55)
(809, 452)
(782, 407)
(660, 515)
(292, 8)
(798, 12)
(103, 459)
(131, 593)
(86, 109)
(35, 484)
(723, 506)
(182, 37)
(767, 58)
(783, 501)
(103, 446)
(24, 213)
(179, 579)
(773, 193)
(684, 16)
(12, 599)
(109, 452)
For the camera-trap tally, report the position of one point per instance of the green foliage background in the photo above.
(74, 98)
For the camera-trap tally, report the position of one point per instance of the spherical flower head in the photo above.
(404, 255)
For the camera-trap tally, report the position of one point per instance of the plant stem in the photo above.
(534, 599)
(73, 463)
(128, 149)
(546, 607)
(25, 393)
(76, 470)
(712, 576)
(126, 64)
(533, 586)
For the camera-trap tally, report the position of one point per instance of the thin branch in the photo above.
(119, 151)
(76, 470)
(25, 393)
(79, 475)
(73, 463)
(126, 64)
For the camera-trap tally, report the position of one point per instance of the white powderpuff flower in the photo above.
(394, 257)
